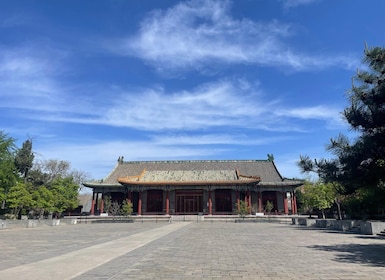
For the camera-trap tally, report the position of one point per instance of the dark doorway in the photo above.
(272, 197)
(135, 200)
(223, 202)
(154, 201)
(189, 202)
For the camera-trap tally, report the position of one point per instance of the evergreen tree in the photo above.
(24, 159)
(359, 163)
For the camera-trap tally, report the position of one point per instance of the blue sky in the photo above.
(89, 81)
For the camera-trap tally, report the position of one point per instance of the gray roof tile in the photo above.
(195, 170)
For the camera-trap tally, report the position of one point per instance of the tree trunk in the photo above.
(339, 209)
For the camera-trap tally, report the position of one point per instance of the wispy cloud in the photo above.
(295, 3)
(225, 103)
(28, 79)
(33, 82)
(195, 34)
(332, 115)
(214, 139)
(98, 157)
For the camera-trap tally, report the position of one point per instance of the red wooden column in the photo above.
(260, 202)
(285, 205)
(102, 204)
(167, 203)
(238, 205)
(249, 201)
(210, 204)
(294, 202)
(93, 204)
(140, 203)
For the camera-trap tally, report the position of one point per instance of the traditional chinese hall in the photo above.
(206, 187)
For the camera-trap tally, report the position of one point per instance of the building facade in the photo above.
(208, 187)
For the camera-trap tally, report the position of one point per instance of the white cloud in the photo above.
(28, 79)
(221, 104)
(33, 82)
(316, 112)
(215, 139)
(295, 3)
(99, 158)
(214, 104)
(330, 114)
(217, 104)
(194, 34)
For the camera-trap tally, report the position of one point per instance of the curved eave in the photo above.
(100, 185)
(280, 184)
(187, 183)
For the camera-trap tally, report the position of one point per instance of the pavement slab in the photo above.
(184, 250)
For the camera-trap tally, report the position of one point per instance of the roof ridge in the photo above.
(196, 161)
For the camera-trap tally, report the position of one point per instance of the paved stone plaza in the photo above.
(184, 250)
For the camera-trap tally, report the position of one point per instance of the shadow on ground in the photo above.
(366, 254)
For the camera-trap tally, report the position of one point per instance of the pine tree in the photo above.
(359, 163)
(24, 159)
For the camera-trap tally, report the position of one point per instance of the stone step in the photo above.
(186, 218)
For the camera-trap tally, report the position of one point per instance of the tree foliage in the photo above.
(126, 208)
(65, 194)
(43, 201)
(24, 159)
(19, 197)
(269, 206)
(8, 176)
(49, 186)
(320, 196)
(243, 208)
(359, 162)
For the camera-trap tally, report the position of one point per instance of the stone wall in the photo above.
(14, 224)
(356, 226)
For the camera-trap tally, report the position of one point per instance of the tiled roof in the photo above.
(197, 170)
(188, 175)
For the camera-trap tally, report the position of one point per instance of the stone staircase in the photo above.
(187, 218)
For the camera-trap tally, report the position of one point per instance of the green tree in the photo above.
(65, 194)
(359, 163)
(19, 197)
(242, 208)
(8, 176)
(126, 208)
(43, 200)
(24, 159)
(269, 206)
(319, 196)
